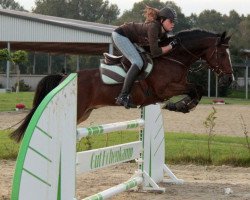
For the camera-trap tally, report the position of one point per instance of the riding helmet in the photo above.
(168, 13)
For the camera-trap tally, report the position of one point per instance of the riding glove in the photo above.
(174, 43)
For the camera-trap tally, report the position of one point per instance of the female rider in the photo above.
(157, 24)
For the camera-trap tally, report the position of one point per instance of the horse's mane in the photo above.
(195, 33)
(188, 37)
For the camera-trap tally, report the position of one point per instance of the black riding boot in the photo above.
(124, 98)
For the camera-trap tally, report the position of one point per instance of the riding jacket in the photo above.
(144, 34)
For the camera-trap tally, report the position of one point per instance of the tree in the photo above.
(211, 20)
(93, 10)
(57, 8)
(86, 10)
(10, 4)
(109, 15)
(232, 21)
(16, 58)
(136, 13)
(193, 20)
(244, 32)
(4, 55)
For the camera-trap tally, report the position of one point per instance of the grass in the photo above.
(8, 101)
(8, 148)
(209, 100)
(228, 101)
(181, 148)
(185, 148)
(238, 94)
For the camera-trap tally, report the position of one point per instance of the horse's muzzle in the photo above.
(226, 80)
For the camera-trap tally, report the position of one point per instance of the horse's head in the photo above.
(211, 47)
(218, 59)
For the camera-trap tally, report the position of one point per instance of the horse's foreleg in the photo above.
(188, 103)
(195, 91)
(192, 99)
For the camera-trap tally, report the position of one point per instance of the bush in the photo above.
(23, 87)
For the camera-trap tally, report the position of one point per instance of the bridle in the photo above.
(215, 68)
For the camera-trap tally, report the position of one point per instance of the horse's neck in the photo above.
(191, 52)
(185, 57)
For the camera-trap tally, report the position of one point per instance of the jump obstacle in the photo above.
(47, 162)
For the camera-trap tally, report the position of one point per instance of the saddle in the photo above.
(113, 69)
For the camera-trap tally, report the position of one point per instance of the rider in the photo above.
(157, 23)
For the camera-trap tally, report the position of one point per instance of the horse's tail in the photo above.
(47, 84)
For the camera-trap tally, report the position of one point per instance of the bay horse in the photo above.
(167, 79)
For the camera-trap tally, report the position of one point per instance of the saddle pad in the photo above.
(115, 74)
(112, 74)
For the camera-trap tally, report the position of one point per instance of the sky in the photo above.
(187, 6)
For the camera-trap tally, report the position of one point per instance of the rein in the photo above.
(216, 68)
(200, 67)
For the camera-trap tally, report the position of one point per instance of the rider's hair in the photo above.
(150, 14)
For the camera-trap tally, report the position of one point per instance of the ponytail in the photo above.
(150, 14)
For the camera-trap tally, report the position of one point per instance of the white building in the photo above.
(41, 33)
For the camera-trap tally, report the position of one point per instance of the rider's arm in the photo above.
(153, 32)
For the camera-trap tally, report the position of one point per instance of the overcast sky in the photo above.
(187, 6)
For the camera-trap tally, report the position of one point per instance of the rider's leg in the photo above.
(124, 98)
(130, 52)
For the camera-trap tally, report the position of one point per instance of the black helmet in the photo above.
(168, 13)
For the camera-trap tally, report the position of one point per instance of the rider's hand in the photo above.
(174, 43)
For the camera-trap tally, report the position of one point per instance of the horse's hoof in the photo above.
(184, 111)
(170, 106)
(181, 106)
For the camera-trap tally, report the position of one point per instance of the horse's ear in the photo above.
(227, 39)
(223, 35)
(223, 38)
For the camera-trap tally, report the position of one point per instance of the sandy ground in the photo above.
(201, 182)
(227, 121)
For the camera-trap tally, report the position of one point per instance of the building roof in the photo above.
(42, 33)
(64, 22)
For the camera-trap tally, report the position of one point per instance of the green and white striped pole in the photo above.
(116, 189)
(107, 128)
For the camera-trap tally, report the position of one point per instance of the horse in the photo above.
(168, 78)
